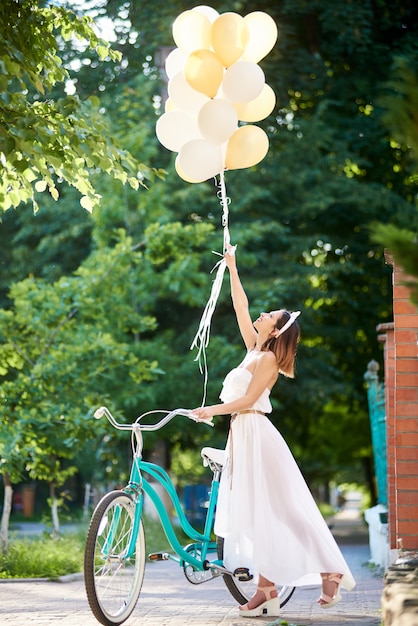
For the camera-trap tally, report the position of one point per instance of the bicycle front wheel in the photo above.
(114, 560)
(243, 591)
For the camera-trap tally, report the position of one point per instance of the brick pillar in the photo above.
(401, 369)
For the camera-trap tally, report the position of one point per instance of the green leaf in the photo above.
(102, 51)
(95, 101)
(54, 192)
(40, 186)
(29, 175)
(88, 203)
(134, 182)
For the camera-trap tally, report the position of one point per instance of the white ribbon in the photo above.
(201, 339)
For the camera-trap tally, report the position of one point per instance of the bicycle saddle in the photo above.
(213, 455)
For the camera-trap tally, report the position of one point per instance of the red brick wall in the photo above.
(401, 379)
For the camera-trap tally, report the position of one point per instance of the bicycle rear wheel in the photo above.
(113, 579)
(242, 591)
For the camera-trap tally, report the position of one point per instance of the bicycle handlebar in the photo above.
(147, 427)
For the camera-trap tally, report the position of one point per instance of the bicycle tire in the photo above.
(242, 591)
(113, 583)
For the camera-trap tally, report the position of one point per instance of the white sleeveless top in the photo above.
(235, 386)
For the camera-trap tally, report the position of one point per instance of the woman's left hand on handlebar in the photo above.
(202, 414)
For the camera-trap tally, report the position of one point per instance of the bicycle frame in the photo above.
(161, 476)
(139, 485)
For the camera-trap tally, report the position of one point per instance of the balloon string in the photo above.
(225, 212)
(201, 339)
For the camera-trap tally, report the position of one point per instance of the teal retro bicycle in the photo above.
(114, 560)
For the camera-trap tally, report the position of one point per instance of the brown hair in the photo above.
(285, 345)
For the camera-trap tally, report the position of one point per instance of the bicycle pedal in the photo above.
(243, 574)
(158, 556)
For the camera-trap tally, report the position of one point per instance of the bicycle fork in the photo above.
(128, 551)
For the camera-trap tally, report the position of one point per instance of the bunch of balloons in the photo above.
(216, 90)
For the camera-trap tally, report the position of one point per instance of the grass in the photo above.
(47, 557)
(43, 557)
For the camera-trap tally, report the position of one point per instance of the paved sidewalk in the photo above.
(168, 599)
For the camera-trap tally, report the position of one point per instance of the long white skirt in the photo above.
(266, 512)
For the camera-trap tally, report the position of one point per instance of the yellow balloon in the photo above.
(192, 31)
(247, 147)
(257, 109)
(229, 37)
(204, 72)
(263, 35)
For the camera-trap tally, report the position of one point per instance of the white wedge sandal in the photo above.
(269, 608)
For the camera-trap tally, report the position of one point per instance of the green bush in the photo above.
(49, 557)
(43, 557)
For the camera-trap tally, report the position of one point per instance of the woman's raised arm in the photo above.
(240, 301)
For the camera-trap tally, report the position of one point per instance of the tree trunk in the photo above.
(54, 509)
(7, 508)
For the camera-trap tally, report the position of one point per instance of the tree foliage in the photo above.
(400, 103)
(64, 348)
(44, 140)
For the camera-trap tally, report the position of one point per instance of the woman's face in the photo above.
(266, 322)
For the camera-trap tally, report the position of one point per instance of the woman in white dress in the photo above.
(266, 513)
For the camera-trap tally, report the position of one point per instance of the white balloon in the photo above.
(243, 81)
(200, 160)
(170, 106)
(182, 174)
(184, 96)
(210, 13)
(174, 62)
(217, 121)
(175, 128)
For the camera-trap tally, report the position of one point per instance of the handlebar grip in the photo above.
(99, 413)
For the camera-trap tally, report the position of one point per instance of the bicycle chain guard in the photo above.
(197, 577)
